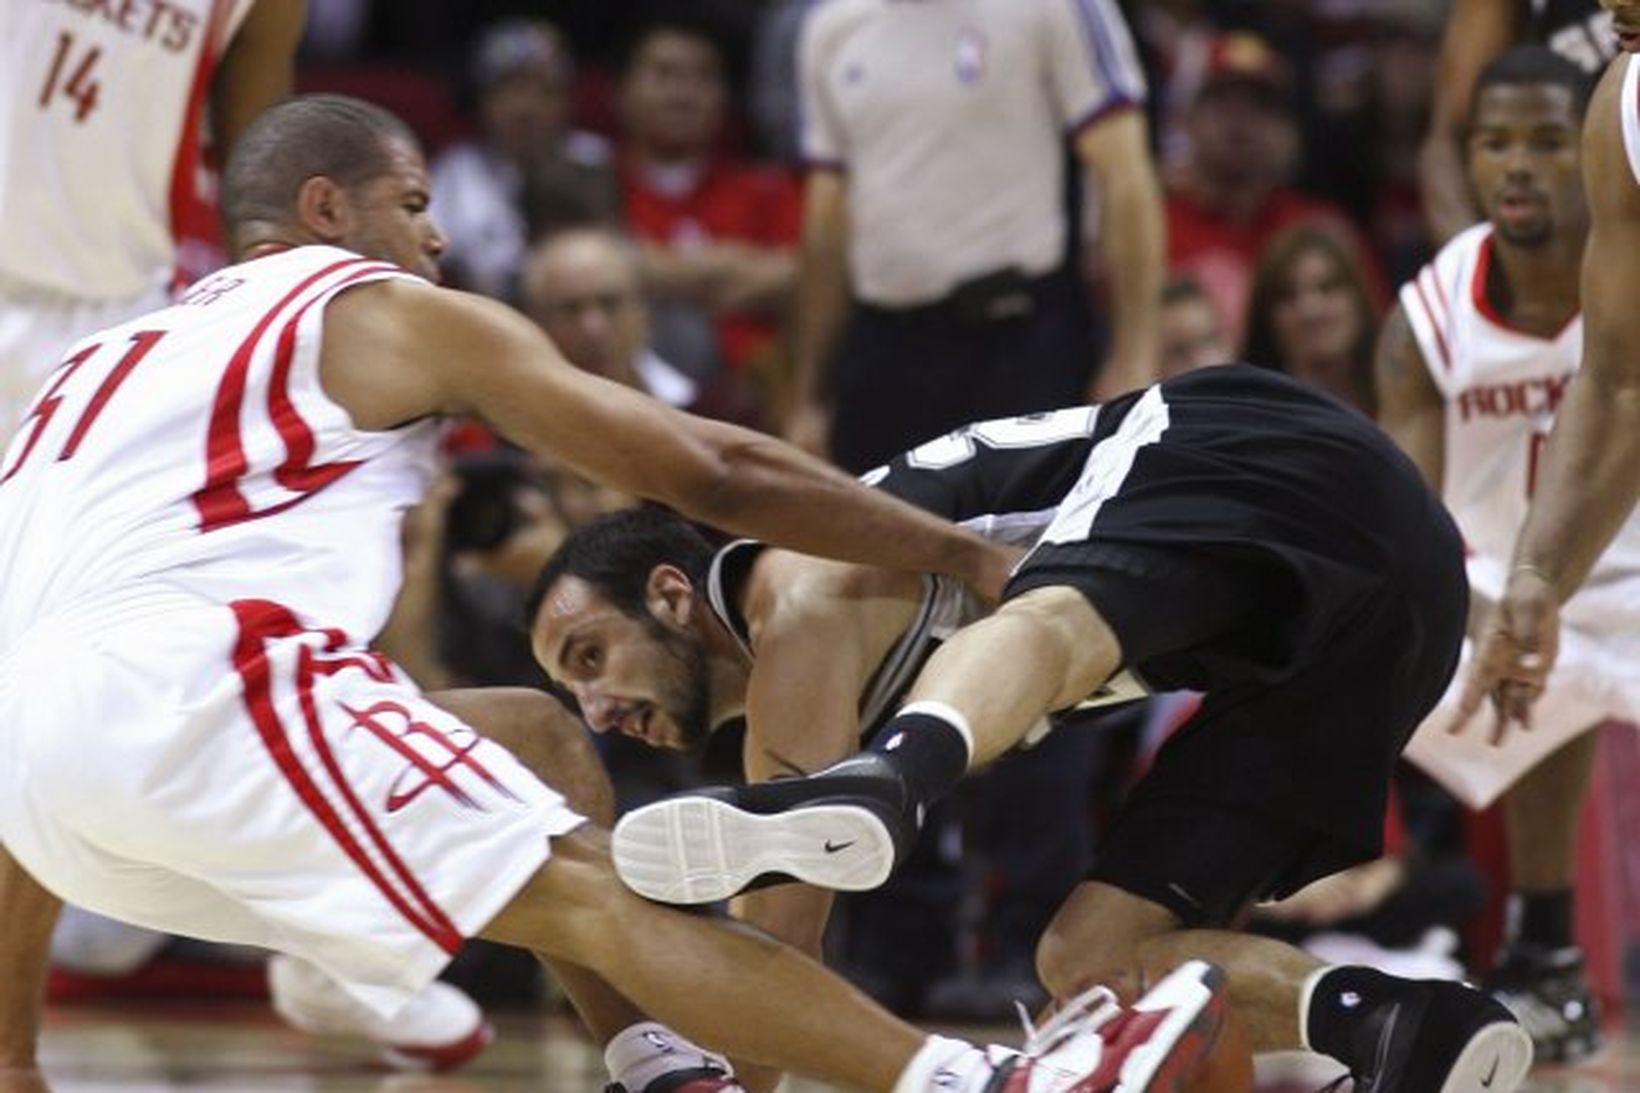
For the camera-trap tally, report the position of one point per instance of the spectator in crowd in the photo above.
(719, 234)
(1311, 315)
(1234, 192)
(525, 165)
(1476, 32)
(583, 286)
(1192, 333)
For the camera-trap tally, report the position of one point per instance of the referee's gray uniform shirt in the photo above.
(949, 117)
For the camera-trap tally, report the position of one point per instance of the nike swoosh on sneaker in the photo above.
(832, 848)
(1486, 1082)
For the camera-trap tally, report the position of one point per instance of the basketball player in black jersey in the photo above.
(1227, 531)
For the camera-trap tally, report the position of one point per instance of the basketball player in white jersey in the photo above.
(106, 109)
(1470, 369)
(1588, 485)
(109, 109)
(199, 524)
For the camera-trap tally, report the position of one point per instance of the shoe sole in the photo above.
(692, 850)
(438, 1058)
(1170, 1056)
(1495, 1060)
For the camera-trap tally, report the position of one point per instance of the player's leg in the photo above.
(555, 747)
(1394, 1034)
(1539, 973)
(29, 912)
(750, 996)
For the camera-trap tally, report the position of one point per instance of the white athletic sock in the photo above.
(944, 1065)
(640, 1053)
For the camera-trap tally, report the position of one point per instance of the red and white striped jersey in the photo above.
(101, 111)
(1629, 110)
(1502, 387)
(193, 449)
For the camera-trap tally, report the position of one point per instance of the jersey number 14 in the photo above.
(70, 77)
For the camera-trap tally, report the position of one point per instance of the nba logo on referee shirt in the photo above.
(970, 60)
(435, 757)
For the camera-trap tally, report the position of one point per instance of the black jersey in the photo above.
(1579, 30)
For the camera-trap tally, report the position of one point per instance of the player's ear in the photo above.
(322, 208)
(670, 594)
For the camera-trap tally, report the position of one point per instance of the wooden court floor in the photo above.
(240, 1047)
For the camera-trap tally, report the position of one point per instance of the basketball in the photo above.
(1228, 1067)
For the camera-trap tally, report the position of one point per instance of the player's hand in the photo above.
(1514, 653)
(998, 565)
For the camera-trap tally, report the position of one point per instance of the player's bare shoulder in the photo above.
(788, 591)
(380, 356)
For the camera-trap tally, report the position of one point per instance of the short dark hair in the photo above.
(334, 136)
(687, 20)
(1534, 64)
(615, 554)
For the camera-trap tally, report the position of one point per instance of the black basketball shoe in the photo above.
(1439, 1037)
(1548, 991)
(845, 828)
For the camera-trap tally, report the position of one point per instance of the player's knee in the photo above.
(572, 906)
(1063, 624)
(545, 737)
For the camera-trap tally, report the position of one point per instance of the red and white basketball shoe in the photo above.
(440, 1029)
(1094, 1044)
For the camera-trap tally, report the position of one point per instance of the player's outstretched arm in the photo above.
(395, 351)
(28, 913)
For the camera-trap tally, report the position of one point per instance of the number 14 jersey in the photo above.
(101, 108)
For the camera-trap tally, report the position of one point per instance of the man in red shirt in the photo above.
(719, 233)
(1234, 192)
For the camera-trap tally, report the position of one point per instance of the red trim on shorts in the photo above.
(258, 621)
(219, 501)
(1434, 323)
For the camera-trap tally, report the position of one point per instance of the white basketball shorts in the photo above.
(234, 774)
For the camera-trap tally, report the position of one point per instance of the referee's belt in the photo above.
(999, 296)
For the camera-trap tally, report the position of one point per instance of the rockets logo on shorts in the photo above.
(435, 758)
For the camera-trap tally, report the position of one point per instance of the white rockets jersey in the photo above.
(100, 121)
(194, 450)
(1502, 387)
(1629, 109)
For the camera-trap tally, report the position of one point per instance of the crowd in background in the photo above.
(632, 177)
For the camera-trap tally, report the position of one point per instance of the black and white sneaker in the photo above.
(1548, 991)
(1440, 1037)
(845, 828)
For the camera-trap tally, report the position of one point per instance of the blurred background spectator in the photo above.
(1193, 333)
(719, 233)
(1311, 315)
(526, 170)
